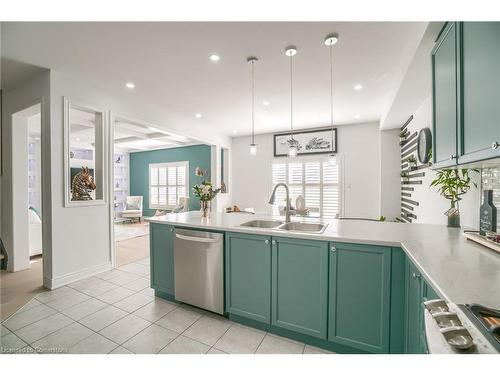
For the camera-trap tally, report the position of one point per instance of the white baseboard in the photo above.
(69, 278)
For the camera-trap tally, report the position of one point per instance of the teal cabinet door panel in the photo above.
(398, 295)
(248, 276)
(161, 239)
(300, 285)
(444, 100)
(359, 307)
(413, 309)
(480, 90)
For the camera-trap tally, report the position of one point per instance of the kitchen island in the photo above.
(356, 287)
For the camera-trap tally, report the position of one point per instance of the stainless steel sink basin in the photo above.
(262, 224)
(303, 227)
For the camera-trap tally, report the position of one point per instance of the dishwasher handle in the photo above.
(197, 239)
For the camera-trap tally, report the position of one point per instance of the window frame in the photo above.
(303, 161)
(166, 165)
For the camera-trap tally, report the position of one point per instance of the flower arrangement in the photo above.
(205, 191)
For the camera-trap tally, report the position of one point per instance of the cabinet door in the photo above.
(248, 276)
(414, 310)
(480, 90)
(444, 99)
(300, 285)
(360, 285)
(161, 245)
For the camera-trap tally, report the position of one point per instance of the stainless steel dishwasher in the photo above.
(198, 269)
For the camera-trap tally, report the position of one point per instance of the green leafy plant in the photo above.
(453, 183)
(382, 218)
(411, 159)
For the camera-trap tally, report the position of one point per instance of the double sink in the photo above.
(289, 227)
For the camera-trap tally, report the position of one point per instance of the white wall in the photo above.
(358, 147)
(27, 94)
(390, 155)
(432, 205)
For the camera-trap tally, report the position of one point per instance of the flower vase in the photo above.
(205, 208)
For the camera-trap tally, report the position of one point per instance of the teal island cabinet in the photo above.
(300, 286)
(161, 244)
(248, 276)
(347, 298)
(360, 295)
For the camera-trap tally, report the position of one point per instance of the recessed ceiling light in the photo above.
(358, 87)
(357, 117)
(77, 139)
(130, 85)
(265, 102)
(235, 131)
(214, 58)
(198, 115)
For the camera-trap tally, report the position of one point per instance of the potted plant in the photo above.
(404, 176)
(452, 184)
(412, 162)
(402, 137)
(204, 191)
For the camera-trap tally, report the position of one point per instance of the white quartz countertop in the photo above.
(461, 271)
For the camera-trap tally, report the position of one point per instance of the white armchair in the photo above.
(183, 205)
(133, 208)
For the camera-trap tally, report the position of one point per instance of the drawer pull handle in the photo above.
(266, 242)
(274, 242)
(495, 145)
(416, 275)
(452, 157)
(333, 249)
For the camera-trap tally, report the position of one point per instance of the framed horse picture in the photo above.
(307, 142)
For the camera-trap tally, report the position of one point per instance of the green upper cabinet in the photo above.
(161, 243)
(248, 276)
(300, 285)
(466, 94)
(359, 300)
(480, 90)
(444, 99)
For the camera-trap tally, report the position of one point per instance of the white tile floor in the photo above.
(116, 312)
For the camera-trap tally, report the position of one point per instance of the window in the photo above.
(167, 183)
(316, 180)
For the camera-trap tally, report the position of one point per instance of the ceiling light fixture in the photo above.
(291, 51)
(357, 117)
(265, 103)
(358, 87)
(252, 60)
(330, 41)
(198, 115)
(214, 58)
(130, 85)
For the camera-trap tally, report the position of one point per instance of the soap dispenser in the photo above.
(487, 214)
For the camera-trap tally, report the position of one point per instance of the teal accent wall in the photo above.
(197, 156)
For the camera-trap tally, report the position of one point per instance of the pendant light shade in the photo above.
(330, 41)
(291, 51)
(252, 60)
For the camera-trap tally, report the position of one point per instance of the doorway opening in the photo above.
(152, 174)
(23, 278)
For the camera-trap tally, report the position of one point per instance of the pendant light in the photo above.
(330, 41)
(252, 60)
(291, 51)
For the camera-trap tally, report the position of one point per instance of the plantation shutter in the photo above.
(316, 180)
(167, 183)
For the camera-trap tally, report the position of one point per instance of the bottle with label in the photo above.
(487, 214)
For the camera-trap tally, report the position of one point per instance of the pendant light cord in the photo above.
(331, 89)
(291, 98)
(253, 102)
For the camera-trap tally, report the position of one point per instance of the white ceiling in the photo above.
(130, 137)
(169, 64)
